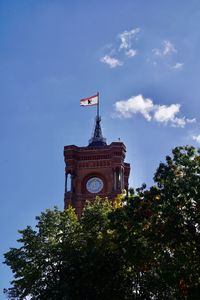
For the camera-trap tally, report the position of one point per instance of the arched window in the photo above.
(68, 182)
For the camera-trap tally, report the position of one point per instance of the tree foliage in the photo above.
(144, 246)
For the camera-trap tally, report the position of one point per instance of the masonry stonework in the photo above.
(96, 170)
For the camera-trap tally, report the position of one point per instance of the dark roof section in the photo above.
(97, 138)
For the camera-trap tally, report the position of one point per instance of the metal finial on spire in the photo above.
(97, 138)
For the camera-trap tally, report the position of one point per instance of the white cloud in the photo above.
(165, 55)
(151, 112)
(178, 66)
(178, 122)
(134, 105)
(116, 54)
(167, 114)
(191, 120)
(111, 61)
(196, 138)
(127, 37)
(131, 52)
(157, 52)
(166, 49)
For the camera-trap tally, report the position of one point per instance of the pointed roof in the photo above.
(97, 138)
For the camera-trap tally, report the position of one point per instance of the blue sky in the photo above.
(143, 58)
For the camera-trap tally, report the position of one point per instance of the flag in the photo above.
(93, 100)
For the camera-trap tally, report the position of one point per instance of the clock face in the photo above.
(94, 185)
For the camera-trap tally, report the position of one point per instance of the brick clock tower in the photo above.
(95, 170)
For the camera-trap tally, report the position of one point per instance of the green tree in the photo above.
(175, 225)
(39, 264)
(160, 230)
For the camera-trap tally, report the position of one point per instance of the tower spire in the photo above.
(97, 138)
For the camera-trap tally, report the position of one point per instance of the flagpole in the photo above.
(98, 105)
